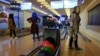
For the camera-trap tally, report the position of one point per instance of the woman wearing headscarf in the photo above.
(11, 25)
(75, 22)
(34, 26)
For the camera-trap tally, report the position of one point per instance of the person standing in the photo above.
(51, 22)
(34, 20)
(11, 26)
(75, 22)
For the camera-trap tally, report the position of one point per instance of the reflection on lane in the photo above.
(17, 47)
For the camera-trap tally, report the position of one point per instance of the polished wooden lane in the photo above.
(89, 49)
(17, 47)
(25, 44)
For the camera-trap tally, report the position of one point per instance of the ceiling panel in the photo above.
(50, 11)
(38, 5)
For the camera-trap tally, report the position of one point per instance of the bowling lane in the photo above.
(62, 32)
(21, 46)
(89, 48)
(17, 47)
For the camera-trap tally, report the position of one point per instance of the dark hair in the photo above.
(11, 16)
(75, 8)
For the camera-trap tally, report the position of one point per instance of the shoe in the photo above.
(16, 38)
(78, 49)
(11, 38)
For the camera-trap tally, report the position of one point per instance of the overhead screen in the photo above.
(70, 4)
(56, 4)
(63, 4)
(26, 6)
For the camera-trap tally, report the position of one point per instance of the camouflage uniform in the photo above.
(75, 22)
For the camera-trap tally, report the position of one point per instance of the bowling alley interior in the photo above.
(49, 27)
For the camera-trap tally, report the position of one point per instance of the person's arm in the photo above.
(38, 20)
(72, 18)
(79, 20)
(29, 20)
(14, 22)
(8, 22)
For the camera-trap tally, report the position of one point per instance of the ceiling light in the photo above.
(48, 6)
(39, 10)
(41, 0)
(63, 4)
(67, 12)
(44, 3)
(19, 1)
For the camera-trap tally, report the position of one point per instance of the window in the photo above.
(94, 16)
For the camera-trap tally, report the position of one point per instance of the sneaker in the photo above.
(16, 38)
(11, 38)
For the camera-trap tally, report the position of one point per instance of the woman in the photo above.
(11, 26)
(75, 22)
(34, 26)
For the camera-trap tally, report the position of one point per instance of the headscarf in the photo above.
(34, 16)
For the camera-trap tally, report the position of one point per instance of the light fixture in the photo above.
(48, 6)
(67, 12)
(41, 0)
(19, 1)
(36, 9)
(44, 3)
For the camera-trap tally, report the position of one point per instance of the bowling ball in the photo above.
(51, 40)
(43, 53)
(45, 42)
(49, 45)
(48, 49)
